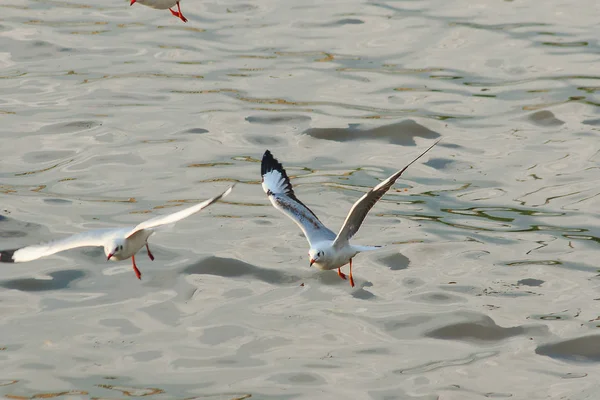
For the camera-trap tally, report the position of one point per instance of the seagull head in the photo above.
(315, 255)
(114, 250)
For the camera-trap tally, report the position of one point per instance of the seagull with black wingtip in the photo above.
(327, 250)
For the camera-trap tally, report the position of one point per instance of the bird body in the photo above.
(162, 5)
(128, 245)
(158, 4)
(118, 243)
(332, 257)
(327, 250)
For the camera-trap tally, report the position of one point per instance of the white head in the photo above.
(316, 255)
(114, 249)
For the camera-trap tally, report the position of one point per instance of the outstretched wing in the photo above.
(179, 215)
(278, 188)
(361, 208)
(29, 253)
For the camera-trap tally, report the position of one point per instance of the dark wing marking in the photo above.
(278, 188)
(278, 183)
(7, 256)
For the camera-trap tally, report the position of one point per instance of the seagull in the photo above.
(119, 243)
(327, 250)
(162, 5)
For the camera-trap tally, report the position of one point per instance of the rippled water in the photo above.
(487, 286)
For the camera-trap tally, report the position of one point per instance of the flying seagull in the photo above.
(119, 243)
(162, 5)
(327, 250)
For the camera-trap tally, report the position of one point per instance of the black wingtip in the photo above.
(7, 256)
(270, 163)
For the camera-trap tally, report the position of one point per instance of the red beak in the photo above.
(132, 1)
(109, 256)
(311, 262)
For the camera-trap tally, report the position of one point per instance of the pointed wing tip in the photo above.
(267, 158)
(429, 148)
(270, 163)
(274, 179)
(6, 256)
(219, 197)
(415, 159)
(229, 190)
(179, 215)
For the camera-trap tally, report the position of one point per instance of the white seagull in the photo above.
(327, 250)
(162, 5)
(119, 243)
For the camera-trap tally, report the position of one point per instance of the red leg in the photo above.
(178, 13)
(184, 19)
(149, 253)
(341, 274)
(351, 280)
(135, 268)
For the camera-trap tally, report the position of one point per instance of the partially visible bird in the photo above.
(163, 5)
(119, 243)
(327, 250)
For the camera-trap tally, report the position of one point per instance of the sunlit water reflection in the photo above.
(488, 282)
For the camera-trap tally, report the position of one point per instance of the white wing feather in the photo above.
(179, 215)
(99, 237)
(95, 238)
(361, 208)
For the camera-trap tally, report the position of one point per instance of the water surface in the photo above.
(487, 286)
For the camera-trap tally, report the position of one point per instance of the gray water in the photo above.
(487, 286)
